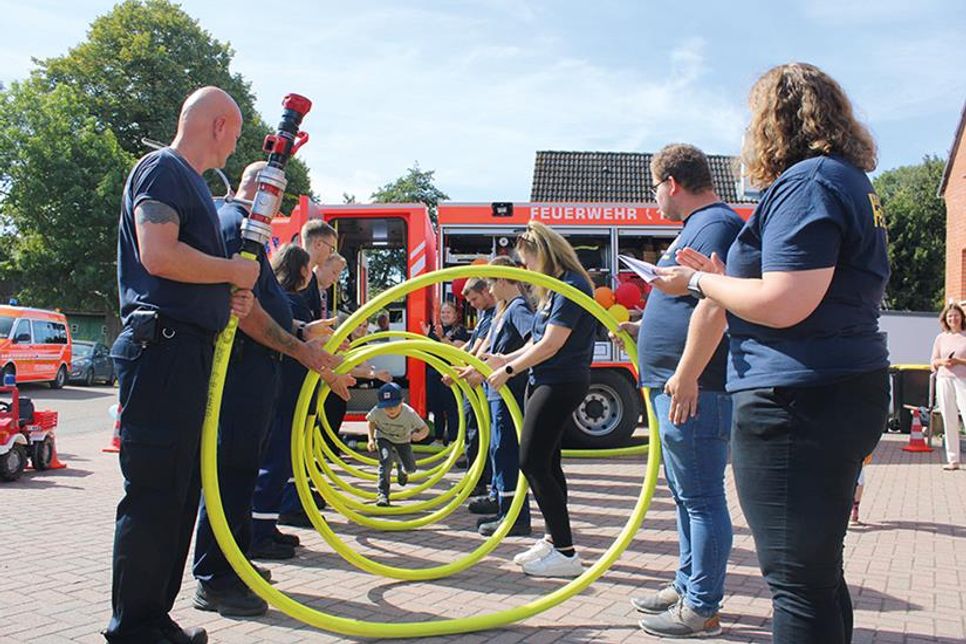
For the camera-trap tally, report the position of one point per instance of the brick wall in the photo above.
(955, 196)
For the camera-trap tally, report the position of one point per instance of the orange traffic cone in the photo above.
(916, 442)
(115, 445)
(55, 462)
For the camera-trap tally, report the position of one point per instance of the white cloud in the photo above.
(478, 113)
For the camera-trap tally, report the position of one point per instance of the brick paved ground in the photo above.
(906, 567)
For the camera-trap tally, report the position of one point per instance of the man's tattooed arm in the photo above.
(155, 212)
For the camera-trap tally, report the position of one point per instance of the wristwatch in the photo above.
(694, 285)
(508, 369)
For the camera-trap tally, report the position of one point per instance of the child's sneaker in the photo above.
(402, 477)
(382, 501)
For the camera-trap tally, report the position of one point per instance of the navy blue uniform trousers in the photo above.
(247, 409)
(163, 392)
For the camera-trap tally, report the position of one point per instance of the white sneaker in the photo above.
(554, 564)
(538, 550)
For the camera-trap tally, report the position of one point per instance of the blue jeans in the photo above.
(695, 454)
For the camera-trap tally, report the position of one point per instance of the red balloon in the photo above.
(628, 294)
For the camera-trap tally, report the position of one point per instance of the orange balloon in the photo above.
(479, 260)
(620, 313)
(604, 296)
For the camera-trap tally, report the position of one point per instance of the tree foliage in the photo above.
(140, 62)
(416, 186)
(387, 267)
(916, 218)
(73, 130)
(62, 173)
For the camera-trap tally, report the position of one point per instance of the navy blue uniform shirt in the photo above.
(267, 289)
(511, 332)
(454, 333)
(482, 328)
(165, 177)
(572, 362)
(313, 299)
(293, 373)
(820, 213)
(664, 326)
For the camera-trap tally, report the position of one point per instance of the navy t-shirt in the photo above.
(572, 362)
(820, 213)
(267, 289)
(664, 326)
(293, 372)
(313, 299)
(453, 333)
(511, 331)
(165, 177)
(482, 328)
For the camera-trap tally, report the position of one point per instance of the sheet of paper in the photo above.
(644, 269)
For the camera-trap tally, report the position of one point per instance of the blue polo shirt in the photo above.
(482, 328)
(664, 326)
(165, 177)
(267, 289)
(511, 332)
(572, 362)
(820, 213)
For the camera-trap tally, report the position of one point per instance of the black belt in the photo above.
(171, 327)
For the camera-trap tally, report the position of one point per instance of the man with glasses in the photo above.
(319, 240)
(685, 372)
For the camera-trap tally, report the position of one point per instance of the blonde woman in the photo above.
(808, 367)
(949, 363)
(558, 356)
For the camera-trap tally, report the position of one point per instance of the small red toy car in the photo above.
(25, 433)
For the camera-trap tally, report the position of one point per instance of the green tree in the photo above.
(387, 267)
(136, 67)
(916, 219)
(61, 174)
(416, 186)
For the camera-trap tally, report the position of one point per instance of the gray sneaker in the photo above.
(657, 602)
(681, 622)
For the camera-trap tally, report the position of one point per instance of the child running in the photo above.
(393, 425)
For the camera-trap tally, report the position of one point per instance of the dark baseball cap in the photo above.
(390, 395)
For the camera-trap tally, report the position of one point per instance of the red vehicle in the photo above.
(25, 434)
(386, 244)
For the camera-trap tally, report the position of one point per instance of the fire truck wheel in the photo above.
(608, 415)
(60, 379)
(12, 463)
(43, 453)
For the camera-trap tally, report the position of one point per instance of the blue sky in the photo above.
(473, 89)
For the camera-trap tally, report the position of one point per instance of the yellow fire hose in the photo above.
(302, 432)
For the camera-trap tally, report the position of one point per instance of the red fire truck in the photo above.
(385, 244)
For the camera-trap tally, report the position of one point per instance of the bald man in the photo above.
(246, 417)
(174, 282)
